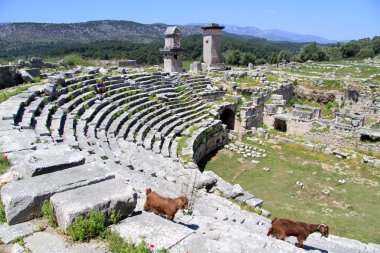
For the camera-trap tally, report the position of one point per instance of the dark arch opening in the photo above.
(280, 125)
(228, 118)
(369, 138)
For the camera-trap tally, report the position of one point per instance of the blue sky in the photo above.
(331, 19)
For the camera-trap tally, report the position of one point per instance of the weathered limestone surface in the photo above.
(155, 229)
(17, 142)
(9, 233)
(105, 196)
(23, 199)
(43, 242)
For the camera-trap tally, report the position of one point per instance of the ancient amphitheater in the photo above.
(86, 153)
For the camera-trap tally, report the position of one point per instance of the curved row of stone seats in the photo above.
(87, 129)
(171, 148)
(84, 92)
(162, 145)
(111, 113)
(118, 96)
(155, 132)
(136, 121)
(14, 107)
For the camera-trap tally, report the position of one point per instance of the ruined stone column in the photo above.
(172, 50)
(212, 46)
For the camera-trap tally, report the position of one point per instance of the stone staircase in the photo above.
(83, 153)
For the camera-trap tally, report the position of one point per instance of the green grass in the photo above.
(5, 164)
(351, 210)
(272, 77)
(12, 91)
(85, 228)
(116, 244)
(5, 61)
(48, 212)
(2, 213)
(75, 60)
(247, 82)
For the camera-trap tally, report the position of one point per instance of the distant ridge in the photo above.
(273, 34)
(19, 35)
(14, 36)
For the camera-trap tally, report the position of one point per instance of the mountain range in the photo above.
(275, 34)
(14, 36)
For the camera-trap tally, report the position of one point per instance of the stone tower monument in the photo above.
(212, 46)
(172, 50)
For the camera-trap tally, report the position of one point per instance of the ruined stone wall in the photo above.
(297, 127)
(286, 90)
(8, 76)
(268, 120)
(314, 95)
(209, 140)
(366, 104)
(335, 141)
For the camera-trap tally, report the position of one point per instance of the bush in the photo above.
(75, 59)
(48, 212)
(350, 49)
(85, 228)
(313, 52)
(116, 244)
(115, 216)
(366, 53)
(4, 164)
(2, 213)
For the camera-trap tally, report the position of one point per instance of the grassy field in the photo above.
(247, 82)
(351, 210)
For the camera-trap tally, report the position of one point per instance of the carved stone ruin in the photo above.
(212, 46)
(172, 50)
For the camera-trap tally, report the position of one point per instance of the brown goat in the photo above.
(162, 205)
(282, 228)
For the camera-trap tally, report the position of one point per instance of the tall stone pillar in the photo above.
(212, 46)
(172, 51)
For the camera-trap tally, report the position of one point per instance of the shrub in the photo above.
(84, 228)
(48, 212)
(115, 216)
(75, 59)
(2, 213)
(116, 244)
(4, 164)
(366, 53)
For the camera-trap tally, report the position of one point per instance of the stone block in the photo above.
(114, 194)
(253, 202)
(44, 242)
(51, 163)
(23, 199)
(26, 77)
(9, 233)
(154, 229)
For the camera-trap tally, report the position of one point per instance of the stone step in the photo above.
(23, 199)
(112, 195)
(53, 161)
(145, 121)
(44, 242)
(43, 120)
(142, 133)
(102, 114)
(142, 115)
(154, 229)
(178, 129)
(134, 109)
(107, 101)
